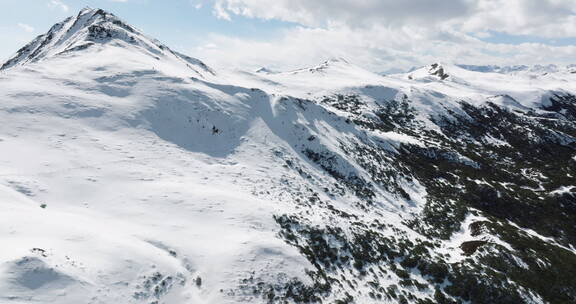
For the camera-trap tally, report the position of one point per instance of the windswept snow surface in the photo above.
(127, 197)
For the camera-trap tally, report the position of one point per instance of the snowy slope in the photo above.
(134, 174)
(131, 204)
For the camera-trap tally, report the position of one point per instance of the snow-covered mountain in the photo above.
(97, 31)
(519, 69)
(131, 173)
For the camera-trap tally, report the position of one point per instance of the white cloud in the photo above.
(59, 4)
(549, 18)
(350, 12)
(545, 18)
(27, 28)
(391, 34)
(220, 11)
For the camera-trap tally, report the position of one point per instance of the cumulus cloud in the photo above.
(391, 34)
(349, 12)
(545, 18)
(550, 18)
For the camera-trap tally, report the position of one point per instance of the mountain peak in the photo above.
(265, 70)
(334, 62)
(337, 60)
(435, 71)
(95, 29)
(86, 10)
(90, 26)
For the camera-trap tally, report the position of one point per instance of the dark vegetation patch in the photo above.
(471, 246)
(487, 161)
(512, 183)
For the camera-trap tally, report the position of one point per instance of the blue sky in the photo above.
(282, 34)
(504, 38)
